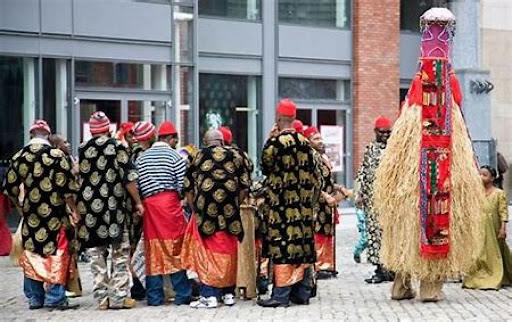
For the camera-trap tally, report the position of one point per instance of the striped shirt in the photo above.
(160, 168)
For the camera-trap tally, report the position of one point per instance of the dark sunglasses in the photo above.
(384, 132)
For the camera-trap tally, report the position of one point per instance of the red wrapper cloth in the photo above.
(288, 274)
(5, 233)
(164, 229)
(213, 258)
(53, 269)
(324, 252)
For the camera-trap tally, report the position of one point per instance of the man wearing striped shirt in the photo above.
(161, 171)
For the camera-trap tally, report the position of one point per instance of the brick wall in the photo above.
(376, 47)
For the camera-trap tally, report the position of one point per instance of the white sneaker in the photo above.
(229, 299)
(205, 303)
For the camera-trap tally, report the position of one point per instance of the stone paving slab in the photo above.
(347, 298)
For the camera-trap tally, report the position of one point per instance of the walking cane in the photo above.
(335, 210)
(258, 272)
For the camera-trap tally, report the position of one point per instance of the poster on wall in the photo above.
(334, 145)
(86, 133)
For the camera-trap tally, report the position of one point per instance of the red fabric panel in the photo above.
(164, 218)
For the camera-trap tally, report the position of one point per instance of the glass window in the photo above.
(11, 104)
(332, 125)
(238, 9)
(411, 10)
(304, 115)
(311, 89)
(323, 13)
(234, 101)
(49, 92)
(112, 74)
(112, 108)
(183, 35)
(152, 111)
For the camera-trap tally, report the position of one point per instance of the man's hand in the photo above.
(274, 131)
(359, 202)
(502, 234)
(140, 209)
(74, 218)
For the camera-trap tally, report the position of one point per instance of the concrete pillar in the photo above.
(146, 83)
(252, 117)
(270, 57)
(476, 104)
(29, 96)
(61, 94)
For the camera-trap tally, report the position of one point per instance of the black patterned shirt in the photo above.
(45, 173)
(216, 176)
(105, 170)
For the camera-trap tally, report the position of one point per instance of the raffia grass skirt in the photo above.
(397, 191)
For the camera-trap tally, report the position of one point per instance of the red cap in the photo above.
(99, 123)
(40, 125)
(227, 136)
(310, 131)
(298, 126)
(166, 128)
(286, 107)
(143, 131)
(383, 122)
(126, 127)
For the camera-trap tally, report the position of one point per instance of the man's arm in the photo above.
(132, 189)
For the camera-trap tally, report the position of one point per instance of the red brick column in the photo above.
(376, 55)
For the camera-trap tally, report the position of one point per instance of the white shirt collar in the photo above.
(38, 141)
(160, 143)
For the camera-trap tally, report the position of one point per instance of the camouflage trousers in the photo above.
(113, 284)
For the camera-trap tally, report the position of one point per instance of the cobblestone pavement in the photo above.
(346, 298)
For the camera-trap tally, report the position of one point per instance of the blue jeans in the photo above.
(34, 291)
(299, 291)
(362, 242)
(155, 289)
(208, 291)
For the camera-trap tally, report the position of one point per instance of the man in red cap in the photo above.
(298, 126)
(161, 172)
(45, 174)
(215, 185)
(108, 176)
(144, 134)
(290, 167)
(227, 137)
(168, 133)
(365, 177)
(326, 209)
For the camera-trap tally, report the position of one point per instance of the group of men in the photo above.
(133, 188)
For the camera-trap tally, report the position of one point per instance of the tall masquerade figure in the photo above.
(428, 224)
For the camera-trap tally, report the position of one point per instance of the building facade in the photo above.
(207, 63)
(495, 52)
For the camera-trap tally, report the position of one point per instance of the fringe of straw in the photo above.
(396, 201)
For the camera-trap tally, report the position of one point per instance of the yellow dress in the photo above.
(494, 265)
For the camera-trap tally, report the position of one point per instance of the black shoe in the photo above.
(184, 302)
(375, 279)
(323, 275)
(297, 300)
(271, 303)
(64, 306)
(389, 276)
(35, 306)
(357, 258)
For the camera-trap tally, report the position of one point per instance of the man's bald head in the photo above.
(59, 141)
(213, 138)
